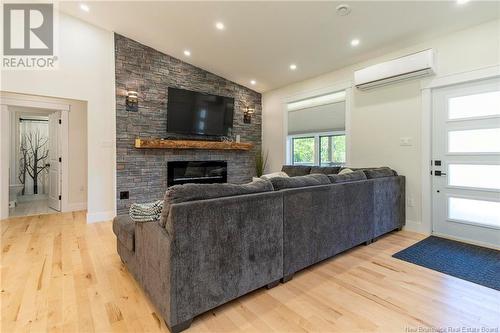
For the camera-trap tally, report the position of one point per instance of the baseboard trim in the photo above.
(416, 226)
(76, 206)
(100, 216)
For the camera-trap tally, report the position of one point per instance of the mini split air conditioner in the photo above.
(412, 66)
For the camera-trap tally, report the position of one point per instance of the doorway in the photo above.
(466, 162)
(62, 178)
(34, 161)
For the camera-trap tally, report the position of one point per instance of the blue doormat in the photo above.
(472, 263)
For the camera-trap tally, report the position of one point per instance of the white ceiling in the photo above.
(262, 39)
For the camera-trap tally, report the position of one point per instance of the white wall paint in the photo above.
(86, 73)
(4, 156)
(380, 117)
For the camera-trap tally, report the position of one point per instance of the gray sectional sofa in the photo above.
(215, 243)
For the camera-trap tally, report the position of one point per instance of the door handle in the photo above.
(439, 173)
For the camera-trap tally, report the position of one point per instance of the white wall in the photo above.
(380, 117)
(4, 156)
(85, 73)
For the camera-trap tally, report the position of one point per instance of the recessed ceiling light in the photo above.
(219, 25)
(253, 82)
(462, 2)
(293, 67)
(355, 42)
(187, 53)
(84, 7)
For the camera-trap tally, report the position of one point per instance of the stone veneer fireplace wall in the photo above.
(143, 172)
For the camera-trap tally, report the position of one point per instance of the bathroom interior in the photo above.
(29, 161)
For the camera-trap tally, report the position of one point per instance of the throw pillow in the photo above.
(296, 170)
(273, 175)
(379, 172)
(325, 170)
(347, 177)
(344, 171)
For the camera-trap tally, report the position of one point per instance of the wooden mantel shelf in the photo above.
(190, 144)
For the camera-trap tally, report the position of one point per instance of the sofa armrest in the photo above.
(124, 229)
(389, 204)
(219, 249)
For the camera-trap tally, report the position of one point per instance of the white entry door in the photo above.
(466, 162)
(55, 170)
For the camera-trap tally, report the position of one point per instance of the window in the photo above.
(474, 141)
(480, 176)
(325, 149)
(303, 151)
(332, 150)
(473, 106)
(477, 211)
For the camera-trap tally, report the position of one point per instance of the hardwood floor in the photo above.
(59, 274)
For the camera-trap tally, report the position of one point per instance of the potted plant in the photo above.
(260, 162)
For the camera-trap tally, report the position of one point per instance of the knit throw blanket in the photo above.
(146, 212)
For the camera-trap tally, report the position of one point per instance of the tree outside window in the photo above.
(303, 150)
(325, 149)
(332, 150)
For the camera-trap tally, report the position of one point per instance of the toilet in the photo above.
(14, 190)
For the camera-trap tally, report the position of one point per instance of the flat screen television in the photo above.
(194, 113)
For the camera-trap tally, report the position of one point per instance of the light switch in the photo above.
(405, 141)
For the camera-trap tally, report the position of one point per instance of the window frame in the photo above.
(317, 140)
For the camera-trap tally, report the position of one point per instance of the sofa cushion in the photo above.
(296, 170)
(379, 172)
(124, 229)
(347, 177)
(325, 170)
(191, 192)
(300, 181)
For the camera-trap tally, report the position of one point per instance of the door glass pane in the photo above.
(303, 150)
(332, 150)
(479, 211)
(479, 105)
(474, 141)
(470, 175)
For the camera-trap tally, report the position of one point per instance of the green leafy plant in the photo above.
(260, 162)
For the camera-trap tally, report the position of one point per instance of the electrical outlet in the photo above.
(124, 195)
(405, 141)
(410, 202)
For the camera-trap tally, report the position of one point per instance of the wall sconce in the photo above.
(247, 115)
(132, 101)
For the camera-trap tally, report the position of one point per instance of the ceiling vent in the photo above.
(343, 10)
(416, 65)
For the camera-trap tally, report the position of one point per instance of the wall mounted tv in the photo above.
(194, 113)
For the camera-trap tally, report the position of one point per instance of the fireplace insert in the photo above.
(201, 172)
